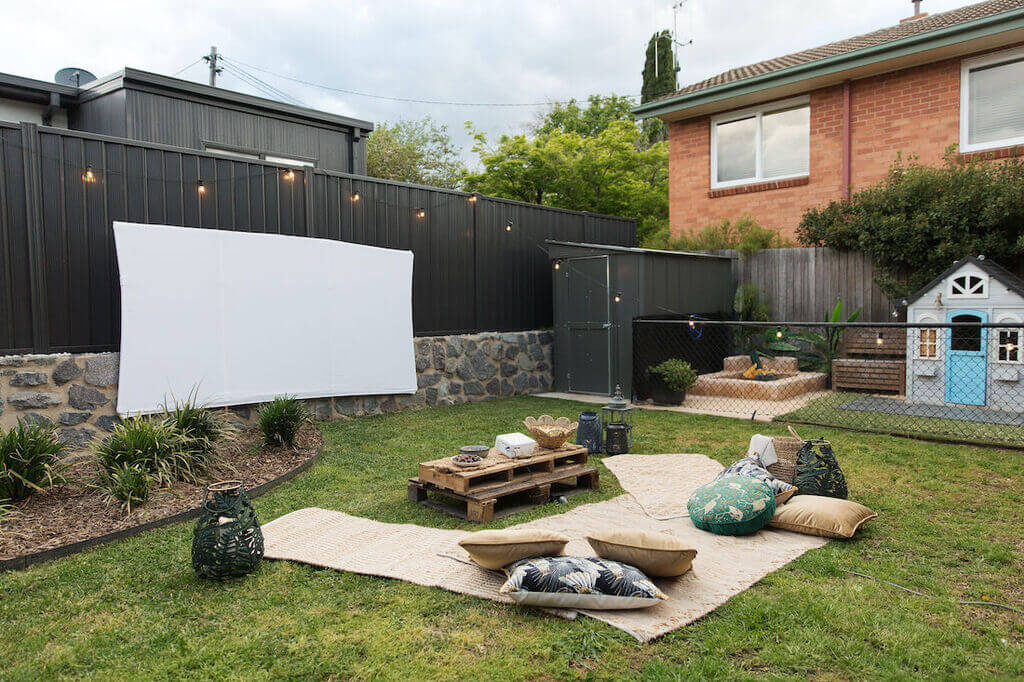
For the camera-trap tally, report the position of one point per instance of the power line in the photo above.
(260, 85)
(403, 99)
(182, 70)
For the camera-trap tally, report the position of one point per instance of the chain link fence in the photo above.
(960, 382)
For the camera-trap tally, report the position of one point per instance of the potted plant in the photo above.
(670, 381)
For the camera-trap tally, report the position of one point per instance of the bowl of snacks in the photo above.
(470, 455)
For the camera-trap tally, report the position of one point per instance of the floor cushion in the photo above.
(828, 517)
(752, 466)
(732, 505)
(580, 582)
(818, 472)
(496, 549)
(657, 554)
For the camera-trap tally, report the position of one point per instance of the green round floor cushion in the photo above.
(732, 505)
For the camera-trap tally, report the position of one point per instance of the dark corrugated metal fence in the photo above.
(480, 263)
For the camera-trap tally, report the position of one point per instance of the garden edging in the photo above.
(21, 562)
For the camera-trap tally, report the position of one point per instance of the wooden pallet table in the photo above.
(480, 495)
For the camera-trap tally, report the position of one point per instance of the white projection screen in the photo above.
(243, 318)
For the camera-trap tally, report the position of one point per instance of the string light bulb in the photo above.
(421, 213)
(508, 225)
(879, 339)
(691, 324)
(289, 174)
(778, 333)
(617, 297)
(471, 199)
(88, 175)
(355, 197)
(200, 187)
(558, 265)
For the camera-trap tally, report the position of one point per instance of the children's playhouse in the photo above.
(968, 365)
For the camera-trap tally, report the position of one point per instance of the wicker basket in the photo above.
(549, 432)
(786, 449)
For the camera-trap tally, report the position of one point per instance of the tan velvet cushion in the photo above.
(499, 548)
(783, 497)
(828, 517)
(657, 554)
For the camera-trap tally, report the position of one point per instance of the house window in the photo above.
(928, 346)
(1009, 345)
(968, 286)
(756, 145)
(992, 101)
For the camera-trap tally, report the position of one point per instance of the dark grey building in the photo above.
(148, 107)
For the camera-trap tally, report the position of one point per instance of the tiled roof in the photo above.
(930, 23)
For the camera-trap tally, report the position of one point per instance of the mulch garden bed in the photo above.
(75, 512)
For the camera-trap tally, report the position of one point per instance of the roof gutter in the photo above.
(950, 35)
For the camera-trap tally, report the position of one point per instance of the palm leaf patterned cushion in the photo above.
(732, 505)
(582, 582)
(818, 472)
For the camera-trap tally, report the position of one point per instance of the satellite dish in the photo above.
(73, 76)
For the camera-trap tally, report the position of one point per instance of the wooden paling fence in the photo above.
(801, 284)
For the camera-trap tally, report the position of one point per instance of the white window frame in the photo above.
(965, 71)
(756, 112)
(1017, 328)
(926, 319)
(984, 286)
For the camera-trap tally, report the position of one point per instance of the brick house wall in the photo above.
(914, 111)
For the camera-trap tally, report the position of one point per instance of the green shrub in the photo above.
(677, 374)
(280, 420)
(921, 219)
(745, 235)
(200, 429)
(154, 445)
(29, 460)
(128, 484)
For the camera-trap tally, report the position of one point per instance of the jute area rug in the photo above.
(661, 484)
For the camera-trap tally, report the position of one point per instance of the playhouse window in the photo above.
(1009, 345)
(928, 346)
(968, 286)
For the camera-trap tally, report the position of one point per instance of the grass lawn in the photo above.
(825, 411)
(949, 525)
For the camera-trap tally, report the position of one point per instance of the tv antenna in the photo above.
(675, 30)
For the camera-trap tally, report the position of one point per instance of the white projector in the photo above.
(515, 445)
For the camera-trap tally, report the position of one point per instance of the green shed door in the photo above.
(586, 301)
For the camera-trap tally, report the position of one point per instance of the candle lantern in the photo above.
(589, 433)
(617, 421)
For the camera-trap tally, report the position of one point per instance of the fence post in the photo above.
(34, 227)
(308, 175)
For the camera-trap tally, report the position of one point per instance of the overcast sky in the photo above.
(453, 50)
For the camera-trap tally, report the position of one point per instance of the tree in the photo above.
(584, 158)
(659, 79)
(418, 151)
(921, 218)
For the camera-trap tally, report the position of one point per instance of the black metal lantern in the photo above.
(617, 422)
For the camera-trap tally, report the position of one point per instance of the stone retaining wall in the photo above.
(78, 392)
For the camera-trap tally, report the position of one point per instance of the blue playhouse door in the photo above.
(965, 359)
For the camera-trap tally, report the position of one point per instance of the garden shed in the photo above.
(600, 290)
(976, 365)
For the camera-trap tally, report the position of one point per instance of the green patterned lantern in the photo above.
(227, 541)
